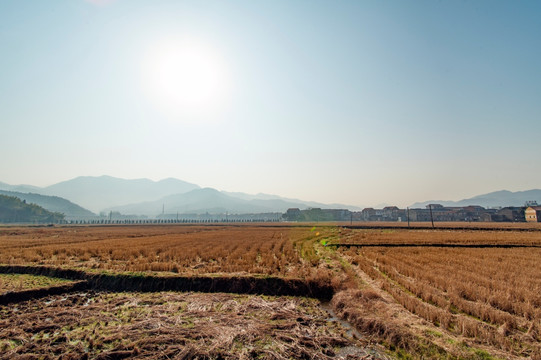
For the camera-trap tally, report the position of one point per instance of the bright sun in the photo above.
(185, 79)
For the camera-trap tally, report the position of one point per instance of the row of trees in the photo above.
(167, 221)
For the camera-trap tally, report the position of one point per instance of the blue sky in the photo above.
(359, 102)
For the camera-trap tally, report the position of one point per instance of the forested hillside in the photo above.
(13, 210)
(53, 204)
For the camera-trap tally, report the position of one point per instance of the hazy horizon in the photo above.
(359, 103)
(375, 205)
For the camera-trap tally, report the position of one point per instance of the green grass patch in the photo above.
(434, 333)
(19, 282)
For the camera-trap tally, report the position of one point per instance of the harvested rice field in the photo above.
(270, 292)
(171, 325)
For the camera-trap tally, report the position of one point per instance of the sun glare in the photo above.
(185, 79)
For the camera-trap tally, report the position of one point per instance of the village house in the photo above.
(369, 214)
(393, 213)
(292, 214)
(533, 214)
(510, 214)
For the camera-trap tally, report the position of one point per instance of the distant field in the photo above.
(180, 249)
(446, 224)
(459, 235)
(404, 291)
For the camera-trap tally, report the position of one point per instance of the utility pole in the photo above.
(431, 217)
(408, 213)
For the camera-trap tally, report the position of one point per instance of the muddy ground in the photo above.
(171, 325)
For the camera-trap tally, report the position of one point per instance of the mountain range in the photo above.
(212, 201)
(494, 199)
(98, 193)
(151, 198)
(169, 196)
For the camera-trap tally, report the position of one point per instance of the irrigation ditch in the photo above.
(83, 280)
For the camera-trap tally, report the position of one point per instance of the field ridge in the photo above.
(260, 285)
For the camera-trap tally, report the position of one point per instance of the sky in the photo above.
(355, 102)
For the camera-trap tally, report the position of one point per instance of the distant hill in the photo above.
(20, 188)
(53, 204)
(293, 202)
(15, 210)
(98, 193)
(209, 200)
(195, 201)
(498, 198)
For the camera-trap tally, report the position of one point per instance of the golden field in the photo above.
(399, 287)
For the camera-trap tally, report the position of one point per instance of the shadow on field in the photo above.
(273, 286)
